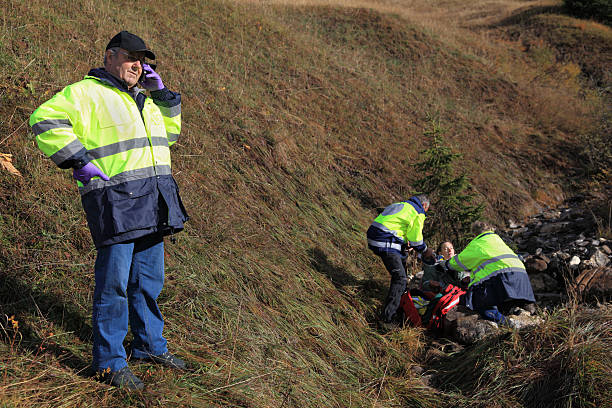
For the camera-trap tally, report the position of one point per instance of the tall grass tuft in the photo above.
(299, 121)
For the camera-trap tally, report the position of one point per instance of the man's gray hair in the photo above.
(113, 51)
(424, 200)
(478, 227)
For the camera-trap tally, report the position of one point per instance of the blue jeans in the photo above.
(129, 278)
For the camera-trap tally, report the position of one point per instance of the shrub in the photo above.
(598, 9)
(451, 196)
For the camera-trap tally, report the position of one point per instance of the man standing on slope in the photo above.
(499, 279)
(398, 227)
(117, 141)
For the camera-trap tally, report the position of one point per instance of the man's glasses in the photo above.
(132, 58)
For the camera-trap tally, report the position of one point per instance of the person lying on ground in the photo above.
(436, 278)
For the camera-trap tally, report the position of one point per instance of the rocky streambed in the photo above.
(564, 255)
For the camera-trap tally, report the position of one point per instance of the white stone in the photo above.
(575, 261)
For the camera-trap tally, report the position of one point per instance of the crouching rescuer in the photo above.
(116, 141)
(398, 228)
(499, 280)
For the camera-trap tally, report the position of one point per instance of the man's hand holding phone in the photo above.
(150, 79)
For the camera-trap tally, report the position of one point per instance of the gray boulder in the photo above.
(543, 282)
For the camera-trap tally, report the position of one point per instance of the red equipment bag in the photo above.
(411, 314)
(449, 300)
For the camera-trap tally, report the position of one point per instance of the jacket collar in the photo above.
(416, 203)
(104, 76)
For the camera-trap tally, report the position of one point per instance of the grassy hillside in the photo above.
(298, 122)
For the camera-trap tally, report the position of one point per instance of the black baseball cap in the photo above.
(130, 42)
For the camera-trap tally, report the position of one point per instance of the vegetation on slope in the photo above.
(298, 123)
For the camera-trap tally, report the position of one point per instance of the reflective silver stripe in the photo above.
(379, 244)
(67, 151)
(172, 137)
(504, 270)
(125, 145)
(382, 227)
(385, 229)
(416, 243)
(114, 148)
(159, 141)
(462, 266)
(46, 125)
(126, 176)
(492, 260)
(393, 209)
(170, 111)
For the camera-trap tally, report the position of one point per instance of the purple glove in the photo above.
(152, 81)
(87, 172)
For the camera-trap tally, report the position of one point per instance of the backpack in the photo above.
(447, 301)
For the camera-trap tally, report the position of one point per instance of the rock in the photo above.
(467, 327)
(543, 282)
(427, 379)
(553, 228)
(513, 225)
(417, 370)
(554, 267)
(574, 262)
(533, 243)
(535, 265)
(606, 249)
(519, 231)
(599, 258)
(594, 284)
(551, 215)
(524, 319)
(538, 251)
(595, 242)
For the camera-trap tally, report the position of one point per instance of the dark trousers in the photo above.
(394, 262)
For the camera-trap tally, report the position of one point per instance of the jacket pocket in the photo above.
(133, 205)
(176, 211)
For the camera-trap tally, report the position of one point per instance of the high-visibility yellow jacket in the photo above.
(485, 256)
(400, 224)
(125, 134)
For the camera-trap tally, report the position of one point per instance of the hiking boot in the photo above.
(125, 379)
(531, 308)
(169, 360)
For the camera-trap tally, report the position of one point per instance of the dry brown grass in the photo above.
(298, 123)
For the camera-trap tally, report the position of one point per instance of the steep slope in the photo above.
(298, 123)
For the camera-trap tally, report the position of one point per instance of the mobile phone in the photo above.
(144, 72)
